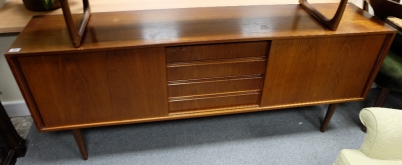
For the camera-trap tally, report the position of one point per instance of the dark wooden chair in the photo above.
(12, 145)
(390, 74)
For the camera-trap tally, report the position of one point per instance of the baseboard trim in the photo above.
(16, 108)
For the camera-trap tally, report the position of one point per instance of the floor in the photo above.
(283, 137)
(22, 124)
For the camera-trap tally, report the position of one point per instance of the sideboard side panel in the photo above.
(96, 87)
(320, 69)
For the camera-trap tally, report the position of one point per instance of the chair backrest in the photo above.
(385, 8)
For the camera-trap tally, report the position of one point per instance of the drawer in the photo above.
(214, 85)
(216, 51)
(217, 68)
(215, 101)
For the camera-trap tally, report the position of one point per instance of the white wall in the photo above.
(9, 90)
(2, 2)
(11, 95)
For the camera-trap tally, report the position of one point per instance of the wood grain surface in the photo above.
(121, 73)
(192, 26)
(221, 100)
(216, 51)
(97, 87)
(214, 85)
(318, 69)
(216, 68)
(15, 16)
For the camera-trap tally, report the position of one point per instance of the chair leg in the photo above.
(364, 129)
(365, 5)
(328, 116)
(381, 97)
(80, 143)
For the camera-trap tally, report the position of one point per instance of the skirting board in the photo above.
(16, 108)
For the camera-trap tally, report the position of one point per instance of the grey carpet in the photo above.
(289, 136)
(22, 125)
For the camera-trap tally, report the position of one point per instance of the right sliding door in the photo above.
(324, 69)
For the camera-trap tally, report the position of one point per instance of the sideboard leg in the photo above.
(80, 143)
(382, 97)
(328, 116)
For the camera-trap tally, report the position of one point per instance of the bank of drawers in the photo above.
(215, 75)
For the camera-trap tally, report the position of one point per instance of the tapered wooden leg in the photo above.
(328, 116)
(381, 97)
(80, 143)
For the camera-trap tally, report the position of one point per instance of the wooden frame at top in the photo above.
(76, 34)
(332, 23)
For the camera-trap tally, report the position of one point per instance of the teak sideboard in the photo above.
(153, 65)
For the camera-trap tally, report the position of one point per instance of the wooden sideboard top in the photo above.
(15, 16)
(147, 28)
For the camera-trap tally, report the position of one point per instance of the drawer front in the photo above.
(209, 86)
(210, 69)
(216, 51)
(214, 102)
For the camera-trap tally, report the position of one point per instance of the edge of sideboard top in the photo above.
(167, 27)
